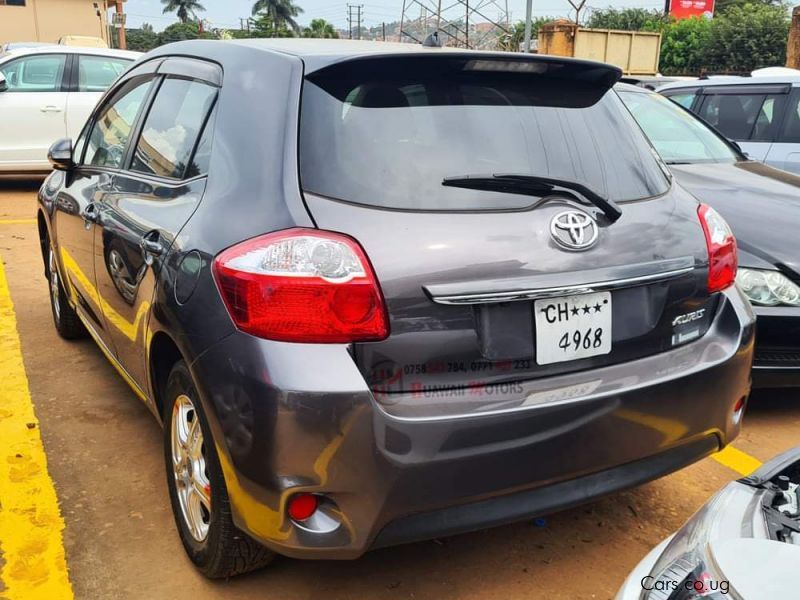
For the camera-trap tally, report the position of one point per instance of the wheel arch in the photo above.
(44, 238)
(163, 354)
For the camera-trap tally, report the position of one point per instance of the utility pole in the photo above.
(383, 27)
(358, 8)
(120, 23)
(350, 21)
(528, 14)
(466, 26)
(793, 47)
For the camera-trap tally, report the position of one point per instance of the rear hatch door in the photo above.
(486, 287)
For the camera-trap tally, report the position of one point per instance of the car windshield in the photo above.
(389, 138)
(677, 134)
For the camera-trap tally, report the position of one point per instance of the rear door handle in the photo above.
(152, 245)
(91, 215)
(51, 108)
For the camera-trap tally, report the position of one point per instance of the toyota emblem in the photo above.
(574, 230)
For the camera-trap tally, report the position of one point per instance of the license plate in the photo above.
(572, 327)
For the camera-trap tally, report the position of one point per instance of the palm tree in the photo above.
(320, 28)
(282, 12)
(185, 9)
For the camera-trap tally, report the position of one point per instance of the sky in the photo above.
(226, 13)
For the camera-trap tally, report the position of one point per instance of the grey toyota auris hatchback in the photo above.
(378, 293)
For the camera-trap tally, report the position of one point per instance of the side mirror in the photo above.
(3, 83)
(60, 155)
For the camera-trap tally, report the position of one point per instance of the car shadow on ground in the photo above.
(29, 184)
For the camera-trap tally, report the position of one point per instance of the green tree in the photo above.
(628, 19)
(263, 26)
(186, 10)
(320, 28)
(515, 38)
(141, 40)
(178, 32)
(684, 46)
(721, 7)
(748, 37)
(281, 12)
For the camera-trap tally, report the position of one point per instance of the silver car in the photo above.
(760, 114)
(744, 544)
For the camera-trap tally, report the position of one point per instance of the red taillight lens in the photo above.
(722, 259)
(302, 506)
(302, 285)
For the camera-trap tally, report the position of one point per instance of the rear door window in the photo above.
(97, 73)
(173, 127)
(742, 117)
(790, 131)
(385, 137)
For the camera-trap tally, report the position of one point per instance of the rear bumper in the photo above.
(531, 503)
(777, 355)
(291, 417)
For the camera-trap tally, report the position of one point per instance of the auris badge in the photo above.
(574, 230)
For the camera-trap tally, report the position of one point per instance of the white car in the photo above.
(47, 93)
(744, 544)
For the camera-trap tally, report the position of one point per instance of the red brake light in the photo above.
(722, 259)
(302, 285)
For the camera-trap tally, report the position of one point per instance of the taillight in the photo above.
(302, 285)
(722, 259)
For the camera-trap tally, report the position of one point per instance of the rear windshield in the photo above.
(389, 137)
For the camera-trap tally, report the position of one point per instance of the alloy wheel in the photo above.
(55, 288)
(189, 468)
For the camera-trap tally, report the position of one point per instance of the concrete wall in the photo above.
(48, 20)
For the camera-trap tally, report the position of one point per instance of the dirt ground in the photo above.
(104, 452)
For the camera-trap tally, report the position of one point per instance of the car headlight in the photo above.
(768, 288)
(685, 570)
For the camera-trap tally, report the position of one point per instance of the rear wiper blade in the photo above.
(533, 185)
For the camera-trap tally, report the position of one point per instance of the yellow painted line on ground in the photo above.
(33, 564)
(739, 461)
(17, 221)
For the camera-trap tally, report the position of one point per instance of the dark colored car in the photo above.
(762, 205)
(744, 543)
(379, 293)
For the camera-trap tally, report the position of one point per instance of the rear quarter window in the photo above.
(389, 141)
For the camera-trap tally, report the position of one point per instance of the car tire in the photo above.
(65, 319)
(214, 544)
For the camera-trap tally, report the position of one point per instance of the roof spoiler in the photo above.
(571, 83)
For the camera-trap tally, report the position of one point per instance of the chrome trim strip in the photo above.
(554, 292)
